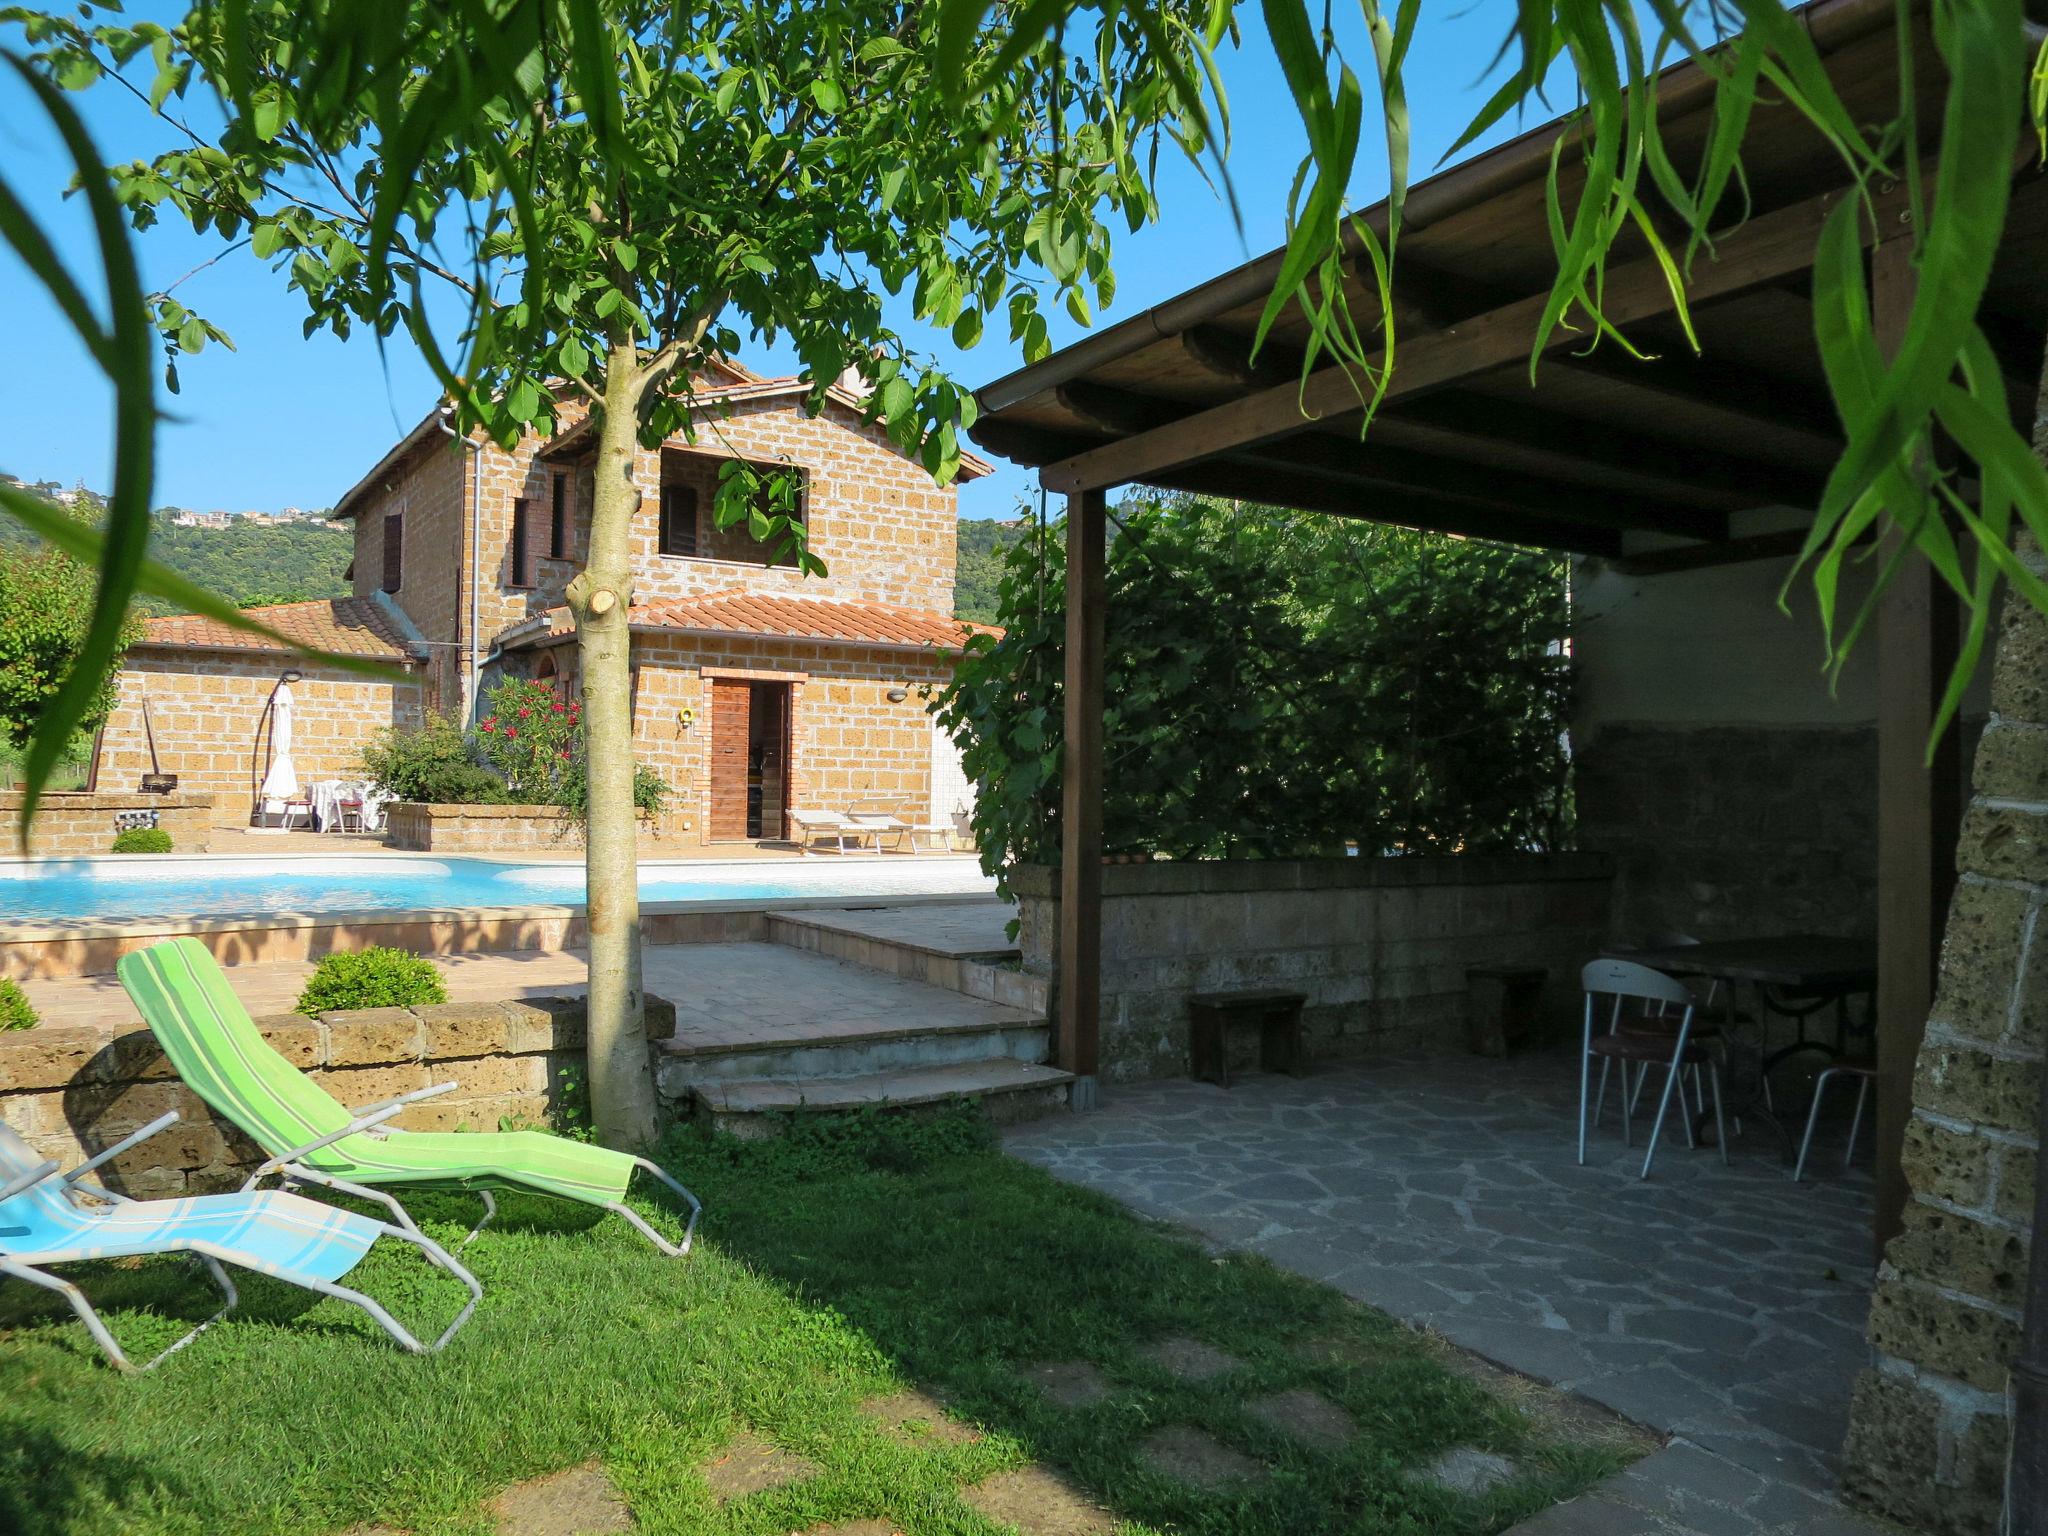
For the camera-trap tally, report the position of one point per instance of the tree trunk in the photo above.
(621, 1081)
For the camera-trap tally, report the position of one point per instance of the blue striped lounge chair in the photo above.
(48, 1218)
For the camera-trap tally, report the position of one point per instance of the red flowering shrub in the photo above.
(528, 756)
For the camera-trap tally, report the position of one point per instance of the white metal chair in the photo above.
(1865, 1073)
(1624, 983)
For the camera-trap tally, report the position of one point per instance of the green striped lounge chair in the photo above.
(48, 1220)
(310, 1139)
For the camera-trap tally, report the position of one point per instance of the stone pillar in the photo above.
(1931, 1422)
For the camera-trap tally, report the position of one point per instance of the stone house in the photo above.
(757, 689)
(204, 690)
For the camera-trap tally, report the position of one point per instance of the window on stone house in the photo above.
(679, 520)
(799, 508)
(394, 551)
(558, 517)
(525, 554)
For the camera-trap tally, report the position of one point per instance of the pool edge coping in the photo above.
(84, 929)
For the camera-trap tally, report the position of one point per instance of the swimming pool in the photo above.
(121, 889)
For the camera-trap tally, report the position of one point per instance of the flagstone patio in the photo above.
(1720, 1306)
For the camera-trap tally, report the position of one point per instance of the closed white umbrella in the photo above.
(281, 779)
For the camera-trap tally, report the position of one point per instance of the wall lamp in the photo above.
(898, 694)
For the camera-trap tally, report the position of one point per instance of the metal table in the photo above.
(1792, 975)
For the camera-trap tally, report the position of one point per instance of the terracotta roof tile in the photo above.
(352, 626)
(738, 611)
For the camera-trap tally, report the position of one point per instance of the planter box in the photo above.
(81, 823)
(419, 828)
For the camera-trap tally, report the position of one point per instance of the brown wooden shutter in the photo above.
(522, 544)
(394, 551)
(679, 520)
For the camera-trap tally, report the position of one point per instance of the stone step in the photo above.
(961, 947)
(1010, 1090)
(841, 1048)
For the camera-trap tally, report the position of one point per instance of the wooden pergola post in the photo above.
(1080, 975)
(1919, 803)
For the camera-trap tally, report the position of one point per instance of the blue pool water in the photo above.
(117, 890)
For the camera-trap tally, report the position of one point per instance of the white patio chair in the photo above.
(1624, 983)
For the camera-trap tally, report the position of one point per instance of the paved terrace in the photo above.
(1723, 1307)
(756, 990)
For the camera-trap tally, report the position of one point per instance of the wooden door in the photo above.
(731, 728)
(771, 752)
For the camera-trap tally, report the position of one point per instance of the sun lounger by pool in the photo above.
(309, 1138)
(47, 1218)
(813, 827)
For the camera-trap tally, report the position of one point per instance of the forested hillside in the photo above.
(978, 566)
(246, 563)
(253, 564)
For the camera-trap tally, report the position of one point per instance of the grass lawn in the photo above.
(851, 1259)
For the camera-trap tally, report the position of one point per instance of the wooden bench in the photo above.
(1278, 1015)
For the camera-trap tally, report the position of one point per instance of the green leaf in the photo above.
(967, 329)
(898, 399)
(880, 48)
(130, 365)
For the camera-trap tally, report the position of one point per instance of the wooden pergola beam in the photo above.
(1373, 470)
(1765, 248)
(1244, 477)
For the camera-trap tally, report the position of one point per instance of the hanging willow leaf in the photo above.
(129, 361)
(88, 546)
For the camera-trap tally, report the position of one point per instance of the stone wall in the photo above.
(73, 1091)
(850, 745)
(1725, 831)
(1931, 1423)
(1381, 946)
(885, 529)
(420, 828)
(431, 491)
(209, 709)
(76, 824)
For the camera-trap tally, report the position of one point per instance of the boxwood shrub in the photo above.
(376, 977)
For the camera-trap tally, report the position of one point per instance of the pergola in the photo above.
(1673, 463)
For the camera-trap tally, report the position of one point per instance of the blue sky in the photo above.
(286, 420)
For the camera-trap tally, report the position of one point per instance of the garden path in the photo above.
(1722, 1307)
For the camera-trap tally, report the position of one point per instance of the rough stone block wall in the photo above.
(72, 1092)
(1931, 1425)
(431, 490)
(1380, 946)
(849, 744)
(885, 530)
(542, 829)
(208, 709)
(77, 824)
(1726, 831)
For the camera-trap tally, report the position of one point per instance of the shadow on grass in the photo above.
(966, 1267)
(51, 1484)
